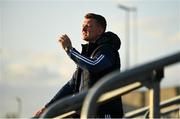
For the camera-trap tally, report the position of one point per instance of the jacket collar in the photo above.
(88, 48)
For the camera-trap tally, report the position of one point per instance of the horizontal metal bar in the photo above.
(65, 105)
(120, 91)
(172, 101)
(137, 112)
(170, 110)
(142, 111)
(65, 115)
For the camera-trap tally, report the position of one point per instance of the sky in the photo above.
(33, 66)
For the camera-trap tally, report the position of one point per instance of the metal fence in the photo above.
(148, 75)
(166, 107)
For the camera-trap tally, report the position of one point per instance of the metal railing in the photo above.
(66, 105)
(116, 84)
(175, 102)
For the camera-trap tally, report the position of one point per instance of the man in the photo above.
(98, 58)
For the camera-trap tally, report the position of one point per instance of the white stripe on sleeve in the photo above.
(91, 62)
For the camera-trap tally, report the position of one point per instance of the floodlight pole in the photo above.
(127, 27)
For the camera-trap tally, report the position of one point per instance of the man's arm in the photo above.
(101, 61)
(66, 90)
(63, 92)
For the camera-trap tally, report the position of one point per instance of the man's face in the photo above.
(91, 30)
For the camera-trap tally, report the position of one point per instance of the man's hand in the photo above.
(65, 42)
(39, 112)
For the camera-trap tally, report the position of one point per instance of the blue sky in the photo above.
(34, 67)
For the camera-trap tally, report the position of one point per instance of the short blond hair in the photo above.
(99, 19)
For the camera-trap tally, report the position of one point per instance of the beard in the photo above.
(85, 37)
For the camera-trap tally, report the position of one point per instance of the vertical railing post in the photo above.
(154, 104)
(179, 113)
(154, 100)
